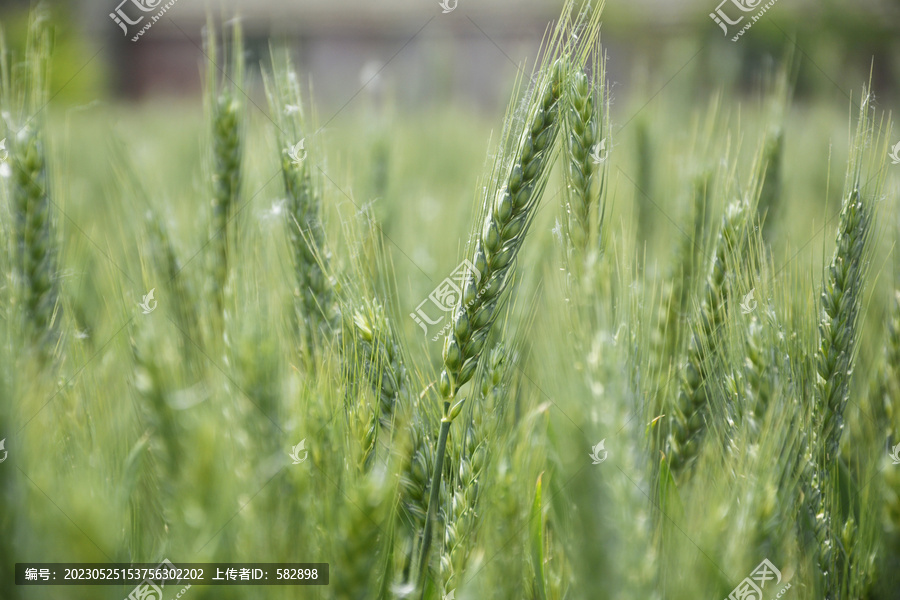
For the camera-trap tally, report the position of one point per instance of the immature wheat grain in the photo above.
(757, 372)
(506, 216)
(840, 308)
(886, 383)
(374, 356)
(163, 256)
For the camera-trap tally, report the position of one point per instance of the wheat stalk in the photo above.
(757, 375)
(840, 298)
(34, 234)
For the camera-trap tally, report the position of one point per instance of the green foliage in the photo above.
(736, 426)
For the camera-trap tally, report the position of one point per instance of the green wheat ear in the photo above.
(586, 123)
(33, 230)
(509, 207)
(227, 114)
(841, 302)
(885, 393)
(317, 310)
(504, 226)
(467, 488)
(505, 223)
(689, 409)
(375, 358)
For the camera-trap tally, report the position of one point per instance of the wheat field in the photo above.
(586, 349)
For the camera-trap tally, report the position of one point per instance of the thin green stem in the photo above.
(434, 497)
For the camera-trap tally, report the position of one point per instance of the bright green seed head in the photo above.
(543, 140)
(480, 260)
(503, 206)
(482, 317)
(515, 179)
(527, 153)
(452, 354)
(532, 168)
(538, 124)
(467, 371)
(461, 327)
(446, 387)
(491, 237)
(581, 84)
(515, 227)
(502, 258)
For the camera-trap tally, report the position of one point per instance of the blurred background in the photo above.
(424, 56)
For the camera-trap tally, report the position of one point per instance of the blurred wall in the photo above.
(471, 53)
